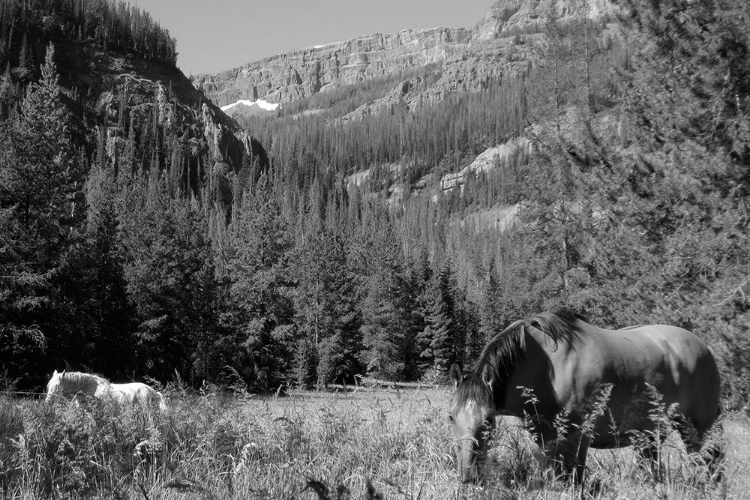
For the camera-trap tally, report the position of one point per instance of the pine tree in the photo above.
(46, 182)
(380, 330)
(93, 295)
(260, 310)
(42, 206)
(441, 341)
(328, 317)
(491, 320)
(687, 105)
(25, 61)
(170, 279)
(388, 301)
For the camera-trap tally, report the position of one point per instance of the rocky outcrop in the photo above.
(508, 18)
(487, 160)
(301, 73)
(491, 25)
(470, 71)
(153, 92)
(466, 59)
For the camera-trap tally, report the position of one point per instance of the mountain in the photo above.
(463, 59)
(122, 79)
(294, 75)
(508, 18)
(145, 89)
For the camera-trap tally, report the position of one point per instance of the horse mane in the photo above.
(85, 377)
(505, 349)
(561, 325)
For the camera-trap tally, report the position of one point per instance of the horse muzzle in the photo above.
(468, 469)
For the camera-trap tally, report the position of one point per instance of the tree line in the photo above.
(112, 24)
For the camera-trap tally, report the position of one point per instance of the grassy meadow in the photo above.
(369, 443)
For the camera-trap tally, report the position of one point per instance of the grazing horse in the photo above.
(567, 365)
(70, 384)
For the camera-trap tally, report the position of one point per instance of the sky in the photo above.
(215, 35)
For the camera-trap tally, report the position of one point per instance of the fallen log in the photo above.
(370, 381)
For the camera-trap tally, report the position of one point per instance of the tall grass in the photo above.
(380, 444)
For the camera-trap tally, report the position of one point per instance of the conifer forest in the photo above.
(143, 233)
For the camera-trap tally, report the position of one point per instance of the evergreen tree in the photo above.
(380, 330)
(94, 302)
(441, 341)
(470, 339)
(491, 318)
(260, 311)
(328, 317)
(687, 106)
(44, 181)
(42, 206)
(170, 274)
(389, 301)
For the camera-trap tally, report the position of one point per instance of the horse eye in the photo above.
(450, 418)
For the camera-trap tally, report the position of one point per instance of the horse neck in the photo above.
(529, 387)
(500, 395)
(497, 364)
(103, 387)
(81, 382)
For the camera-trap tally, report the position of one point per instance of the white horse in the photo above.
(70, 384)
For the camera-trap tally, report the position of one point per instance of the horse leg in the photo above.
(706, 445)
(713, 456)
(650, 456)
(580, 465)
(570, 457)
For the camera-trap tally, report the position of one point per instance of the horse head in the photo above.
(54, 384)
(479, 396)
(472, 424)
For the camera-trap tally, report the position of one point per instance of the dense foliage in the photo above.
(345, 254)
(112, 24)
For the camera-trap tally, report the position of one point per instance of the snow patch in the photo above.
(265, 105)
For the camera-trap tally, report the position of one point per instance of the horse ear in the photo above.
(456, 374)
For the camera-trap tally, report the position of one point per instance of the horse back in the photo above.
(672, 360)
(135, 392)
(566, 376)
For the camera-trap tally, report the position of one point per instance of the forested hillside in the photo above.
(107, 154)
(335, 250)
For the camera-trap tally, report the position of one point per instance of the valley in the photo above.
(380, 206)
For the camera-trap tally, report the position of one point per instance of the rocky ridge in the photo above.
(466, 59)
(508, 18)
(486, 161)
(294, 75)
(162, 91)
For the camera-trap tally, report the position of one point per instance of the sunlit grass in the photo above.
(395, 444)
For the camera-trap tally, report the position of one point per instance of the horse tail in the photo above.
(162, 404)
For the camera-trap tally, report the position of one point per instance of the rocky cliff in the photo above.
(301, 73)
(153, 92)
(464, 58)
(507, 18)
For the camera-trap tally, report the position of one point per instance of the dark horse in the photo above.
(567, 364)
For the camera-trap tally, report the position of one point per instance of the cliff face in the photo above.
(466, 58)
(151, 92)
(507, 18)
(301, 73)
